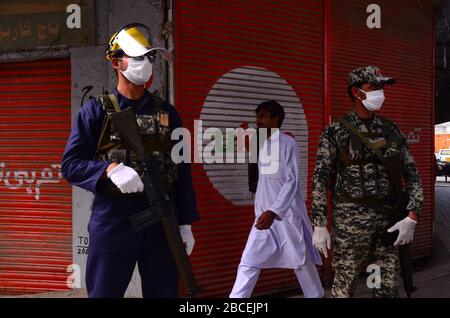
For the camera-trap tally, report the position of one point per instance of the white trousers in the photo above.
(307, 276)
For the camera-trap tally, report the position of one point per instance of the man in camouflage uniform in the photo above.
(362, 191)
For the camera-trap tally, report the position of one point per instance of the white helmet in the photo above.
(134, 40)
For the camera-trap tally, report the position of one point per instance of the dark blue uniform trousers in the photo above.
(111, 263)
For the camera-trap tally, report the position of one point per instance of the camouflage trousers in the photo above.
(356, 244)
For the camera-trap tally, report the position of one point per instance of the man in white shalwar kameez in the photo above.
(282, 233)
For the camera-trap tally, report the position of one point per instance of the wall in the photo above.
(442, 141)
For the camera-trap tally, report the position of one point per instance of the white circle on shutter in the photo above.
(230, 103)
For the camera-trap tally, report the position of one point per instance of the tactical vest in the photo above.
(155, 132)
(392, 138)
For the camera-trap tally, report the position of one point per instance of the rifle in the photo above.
(394, 166)
(160, 209)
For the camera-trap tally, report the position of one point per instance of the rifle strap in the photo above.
(111, 105)
(361, 136)
(115, 103)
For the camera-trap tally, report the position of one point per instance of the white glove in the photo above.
(321, 239)
(126, 179)
(187, 237)
(405, 229)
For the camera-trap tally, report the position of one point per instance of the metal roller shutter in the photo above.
(229, 56)
(35, 202)
(402, 48)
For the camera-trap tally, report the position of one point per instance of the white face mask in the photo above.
(374, 100)
(138, 72)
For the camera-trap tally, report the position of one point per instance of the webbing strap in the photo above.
(360, 135)
(115, 103)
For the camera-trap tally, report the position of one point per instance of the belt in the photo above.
(370, 201)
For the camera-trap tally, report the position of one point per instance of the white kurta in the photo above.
(286, 242)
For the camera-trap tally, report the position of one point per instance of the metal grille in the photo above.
(230, 55)
(239, 92)
(35, 202)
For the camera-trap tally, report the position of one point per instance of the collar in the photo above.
(377, 124)
(275, 135)
(358, 123)
(137, 104)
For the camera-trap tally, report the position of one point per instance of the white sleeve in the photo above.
(290, 164)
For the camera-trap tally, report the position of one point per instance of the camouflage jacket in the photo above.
(351, 170)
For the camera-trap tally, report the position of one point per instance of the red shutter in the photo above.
(276, 47)
(403, 49)
(35, 202)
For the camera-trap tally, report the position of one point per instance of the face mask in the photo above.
(374, 100)
(138, 72)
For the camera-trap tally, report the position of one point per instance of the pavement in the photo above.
(431, 275)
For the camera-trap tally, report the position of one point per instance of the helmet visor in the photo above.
(136, 41)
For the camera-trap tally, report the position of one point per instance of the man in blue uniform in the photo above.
(107, 169)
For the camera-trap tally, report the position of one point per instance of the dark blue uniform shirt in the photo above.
(110, 215)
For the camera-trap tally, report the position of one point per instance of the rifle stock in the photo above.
(405, 264)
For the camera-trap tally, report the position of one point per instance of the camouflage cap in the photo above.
(367, 74)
